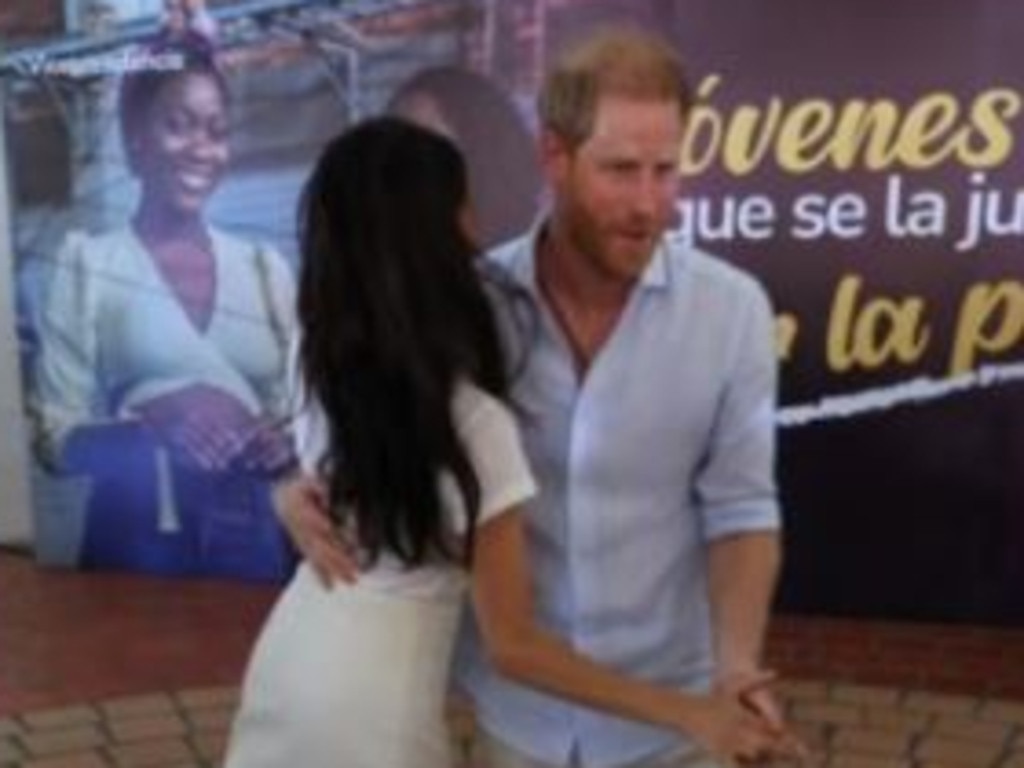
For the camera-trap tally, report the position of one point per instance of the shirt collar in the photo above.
(522, 262)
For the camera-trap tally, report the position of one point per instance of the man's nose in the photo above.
(649, 197)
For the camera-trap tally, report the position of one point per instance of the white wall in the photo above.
(15, 508)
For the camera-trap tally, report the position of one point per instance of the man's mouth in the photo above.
(636, 236)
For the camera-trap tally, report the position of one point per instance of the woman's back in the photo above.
(487, 429)
(357, 675)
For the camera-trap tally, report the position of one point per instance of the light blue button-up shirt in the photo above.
(667, 443)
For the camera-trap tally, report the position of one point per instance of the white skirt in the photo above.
(346, 678)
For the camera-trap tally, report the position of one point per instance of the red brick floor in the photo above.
(985, 661)
(67, 636)
(102, 670)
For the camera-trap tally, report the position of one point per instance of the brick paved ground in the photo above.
(848, 726)
(113, 670)
(964, 659)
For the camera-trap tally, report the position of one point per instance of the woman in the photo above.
(160, 375)
(404, 418)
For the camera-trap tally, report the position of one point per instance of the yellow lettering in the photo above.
(924, 139)
(883, 330)
(744, 150)
(863, 124)
(876, 135)
(703, 132)
(991, 320)
(990, 115)
(803, 139)
(786, 328)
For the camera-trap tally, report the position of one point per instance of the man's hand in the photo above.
(729, 733)
(752, 690)
(301, 503)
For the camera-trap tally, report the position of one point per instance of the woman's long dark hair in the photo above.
(393, 316)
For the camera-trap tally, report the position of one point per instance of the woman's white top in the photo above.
(491, 438)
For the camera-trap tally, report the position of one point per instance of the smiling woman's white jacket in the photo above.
(114, 335)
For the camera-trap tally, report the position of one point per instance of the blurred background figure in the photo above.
(483, 121)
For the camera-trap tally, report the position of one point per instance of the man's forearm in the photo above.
(743, 571)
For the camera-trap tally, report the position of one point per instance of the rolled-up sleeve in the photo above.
(735, 486)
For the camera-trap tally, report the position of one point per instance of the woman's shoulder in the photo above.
(237, 243)
(475, 408)
(84, 239)
(96, 249)
(491, 437)
(237, 250)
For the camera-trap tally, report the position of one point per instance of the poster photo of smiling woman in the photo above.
(158, 381)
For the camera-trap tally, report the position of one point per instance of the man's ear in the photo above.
(555, 154)
(468, 223)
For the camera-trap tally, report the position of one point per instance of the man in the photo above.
(648, 400)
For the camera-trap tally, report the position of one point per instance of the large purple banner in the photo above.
(863, 159)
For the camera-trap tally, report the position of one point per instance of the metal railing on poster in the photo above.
(329, 29)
